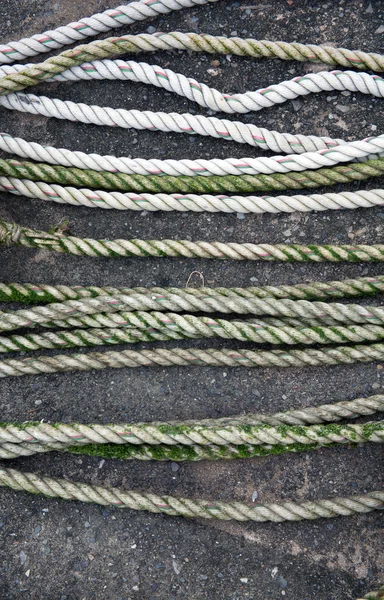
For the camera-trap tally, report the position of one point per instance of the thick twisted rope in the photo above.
(191, 202)
(200, 184)
(211, 98)
(10, 233)
(141, 166)
(302, 309)
(288, 511)
(234, 131)
(64, 363)
(161, 452)
(110, 47)
(206, 435)
(204, 299)
(175, 327)
(91, 26)
(196, 452)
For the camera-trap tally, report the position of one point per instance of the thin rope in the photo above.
(12, 234)
(288, 511)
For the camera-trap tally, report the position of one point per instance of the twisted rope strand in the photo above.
(203, 299)
(192, 356)
(199, 183)
(302, 309)
(205, 435)
(288, 511)
(110, 47)
(91, 26)
(11, 233)
(234, 131)
(174, 327)
(208, 97)
(161, 452)
(191, 202)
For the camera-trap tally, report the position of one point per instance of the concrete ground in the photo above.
(71, 551)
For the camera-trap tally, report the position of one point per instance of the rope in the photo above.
(201, 434)
(302, 309)
(287, 511)
(199, 183)
(204, 299)
(191, 202)
(110, 47)
(212, 357)
(208, 97)
(162, 327)
(11, 233)
(91, 26)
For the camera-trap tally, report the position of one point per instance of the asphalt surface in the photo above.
(71, 551)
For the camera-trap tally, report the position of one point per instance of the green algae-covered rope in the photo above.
(237, 431)
(187, 41)
(288, 511)
(216, 184)
(179, 357)
(189, 299)
(10, 233)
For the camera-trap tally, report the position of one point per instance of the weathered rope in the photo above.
(110, 47)
(204, 299)
(91, 26)
(191, 202)
(176, 452)
(162, 327)
(199, 183)
(242, 431)
(287, 511)
(377, 595)
(192, 357)
(302, 309)
(11, 233)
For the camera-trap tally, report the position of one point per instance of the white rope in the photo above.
(242, 133)
(91, 26)
(202, 94)
(191, 202)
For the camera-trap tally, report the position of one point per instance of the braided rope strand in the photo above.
(277, 513)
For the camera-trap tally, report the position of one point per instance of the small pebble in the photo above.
(175, 467)
(240, 216)
(255, 495)
(151, 29)
(376, 386)
(23, 557)
(37, 529)
(244, 579)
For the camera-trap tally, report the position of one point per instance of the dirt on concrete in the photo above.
(71, 551)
